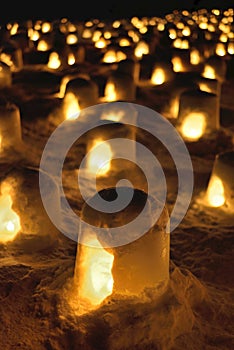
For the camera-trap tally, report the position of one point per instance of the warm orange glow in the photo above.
(195, 57)
(230, 48)
(71, 39)
(87, 34)
(46, 27)
(99, 158)
(193, 126)
(34, 35)
(54, 61)
(124, 42)
(142, 48)
(215, 192)
(42, 45)
(71, 59)
(204, 87)
(158, 76)
(71, 106)
(209, 72)
(172, 33)
(110, 57)
(114, 116)
(100, 43)
(9, 220)
(220, 49)
(14, 29)
(110, 92)
(120, 56)
(177, 64)
(186, 31)
(96, 282)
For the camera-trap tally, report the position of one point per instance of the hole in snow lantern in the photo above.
(220, 190)
(11, 144)
(22, 185)
(198, 115)
(105, 267)
(161, 73)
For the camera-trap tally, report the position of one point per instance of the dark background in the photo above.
(103, 9)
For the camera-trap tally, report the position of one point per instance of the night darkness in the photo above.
(102, 9)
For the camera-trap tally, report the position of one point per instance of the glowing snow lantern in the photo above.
(109, 57)
(119, 86)
(5, 75)
(106, 267)
(54, 61)
(220, 49)
(71, 59)
(130, 67)
(99, 158)
(215, 68)
(195, 57)
(117, 112)
(158, 76)
(71, 106)
(230, 48)
(20, 186)
(141, 49)
(210, 85)
(198, 115)
(85, 91)
(220, 190)
(71, 39)
(9, 220)
(101, 154)
(43, 45)
(10, 132)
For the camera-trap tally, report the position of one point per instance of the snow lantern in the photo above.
(20, 192)
(215, 67)
(99, 151)
(198, 115)
(11, 143)
(119, 87)
(104, 269)
(161, 73)
(79, 94)
(5, 75)
(220, 190)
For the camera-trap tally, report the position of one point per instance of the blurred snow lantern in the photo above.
(180, 83)
(198, 115)
(162, 72)
(141, 49)
(215, 67)
(119, 87)
(105, 267)
(112, 111)
(100, 152)
(37, 232)
(131, 67)
(79, 94)
(209, 85)
(11, 143)
(220, 49)
(220, 190)
(195, 56)
(9, 220)
(230, 48)
(5, 75)
(12, 55)
(54, 61)
(181, 60)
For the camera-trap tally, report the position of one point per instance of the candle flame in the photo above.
(99, 158)
(215, 192)
(193, 126)
(9, 220)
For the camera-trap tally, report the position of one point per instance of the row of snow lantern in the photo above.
(99, 265)
(55, 50)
